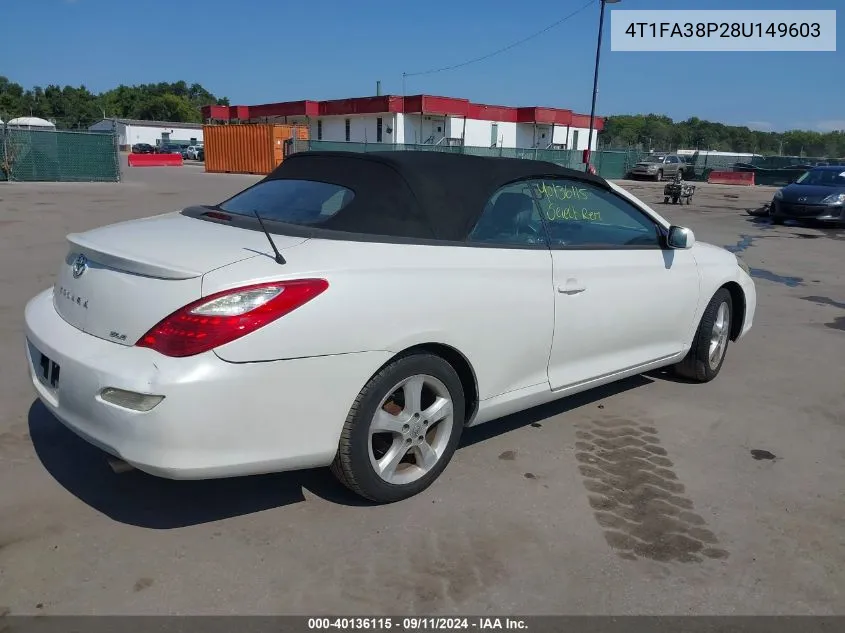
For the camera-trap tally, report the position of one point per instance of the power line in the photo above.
(501, 50)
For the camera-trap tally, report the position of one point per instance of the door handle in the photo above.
(571, 289)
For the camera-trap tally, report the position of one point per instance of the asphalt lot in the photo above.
(522, 521)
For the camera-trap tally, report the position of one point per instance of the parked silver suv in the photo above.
(193, 151)
(659, 166)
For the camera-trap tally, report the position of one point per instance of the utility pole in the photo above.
(596, 83)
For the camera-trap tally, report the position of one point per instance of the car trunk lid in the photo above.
(118, 281)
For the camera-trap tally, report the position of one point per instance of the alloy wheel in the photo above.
(719, 336)
(410, 430)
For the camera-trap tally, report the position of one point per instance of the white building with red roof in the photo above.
(421, 119)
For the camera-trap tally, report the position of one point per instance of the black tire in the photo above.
(689, 200)
(776, 220)
(666, 200)
(696, 365)
(659, 175)
(675, 200)
(352, 465)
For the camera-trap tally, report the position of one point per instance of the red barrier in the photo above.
(155, 160)
(731, 178)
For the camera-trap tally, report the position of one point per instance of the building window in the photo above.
(347, 130)
(378, 130)
(319, 130)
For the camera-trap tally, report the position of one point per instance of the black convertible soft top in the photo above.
(425, 195)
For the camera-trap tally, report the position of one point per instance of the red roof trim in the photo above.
(215, 112)
(285, 108)
(361, 105)
(415, 104)
(546, 116)
(428, 104)
(583, 121)
(483, 112)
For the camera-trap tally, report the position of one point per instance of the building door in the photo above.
(438, 130)
(494, 134)
(575, 139)
(543, 136)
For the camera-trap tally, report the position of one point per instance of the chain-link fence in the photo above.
(611, 164)
(781, 170)
(768, 170)
(58, 156)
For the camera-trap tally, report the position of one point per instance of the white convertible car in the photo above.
(359, 310)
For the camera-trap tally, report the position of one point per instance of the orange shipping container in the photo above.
(248, 148)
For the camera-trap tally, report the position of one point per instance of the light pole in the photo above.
(596, 84)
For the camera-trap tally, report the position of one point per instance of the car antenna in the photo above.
(279, 259)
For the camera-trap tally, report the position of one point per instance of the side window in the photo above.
(580, 215)
(510, 218)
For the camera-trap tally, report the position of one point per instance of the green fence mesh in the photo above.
(768, 170)
(612, 164)
(58, 156)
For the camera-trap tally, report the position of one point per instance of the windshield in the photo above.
(305, 202)
(825, 177)
(653, 159)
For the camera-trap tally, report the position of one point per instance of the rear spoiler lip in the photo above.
(132, 264)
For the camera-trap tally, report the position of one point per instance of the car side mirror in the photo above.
(680, 237)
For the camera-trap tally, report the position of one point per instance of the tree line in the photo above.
(77, 108)
(658, 132)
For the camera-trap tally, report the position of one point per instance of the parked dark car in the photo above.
(143, 148)
(818, 195)
(201, 153)
(169, 149)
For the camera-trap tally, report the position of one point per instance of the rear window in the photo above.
(293, 201)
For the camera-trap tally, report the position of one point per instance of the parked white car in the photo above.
(193, 151)
(394, 299)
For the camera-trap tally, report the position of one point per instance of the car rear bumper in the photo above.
(217, 419)
(815, 212)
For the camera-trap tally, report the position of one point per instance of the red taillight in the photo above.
(225, 316)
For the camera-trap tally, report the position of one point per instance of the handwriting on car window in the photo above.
(565, 202)
(555, 212)
(560, 192)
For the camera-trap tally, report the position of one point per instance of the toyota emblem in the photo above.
(80, 265)
(802, 199)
